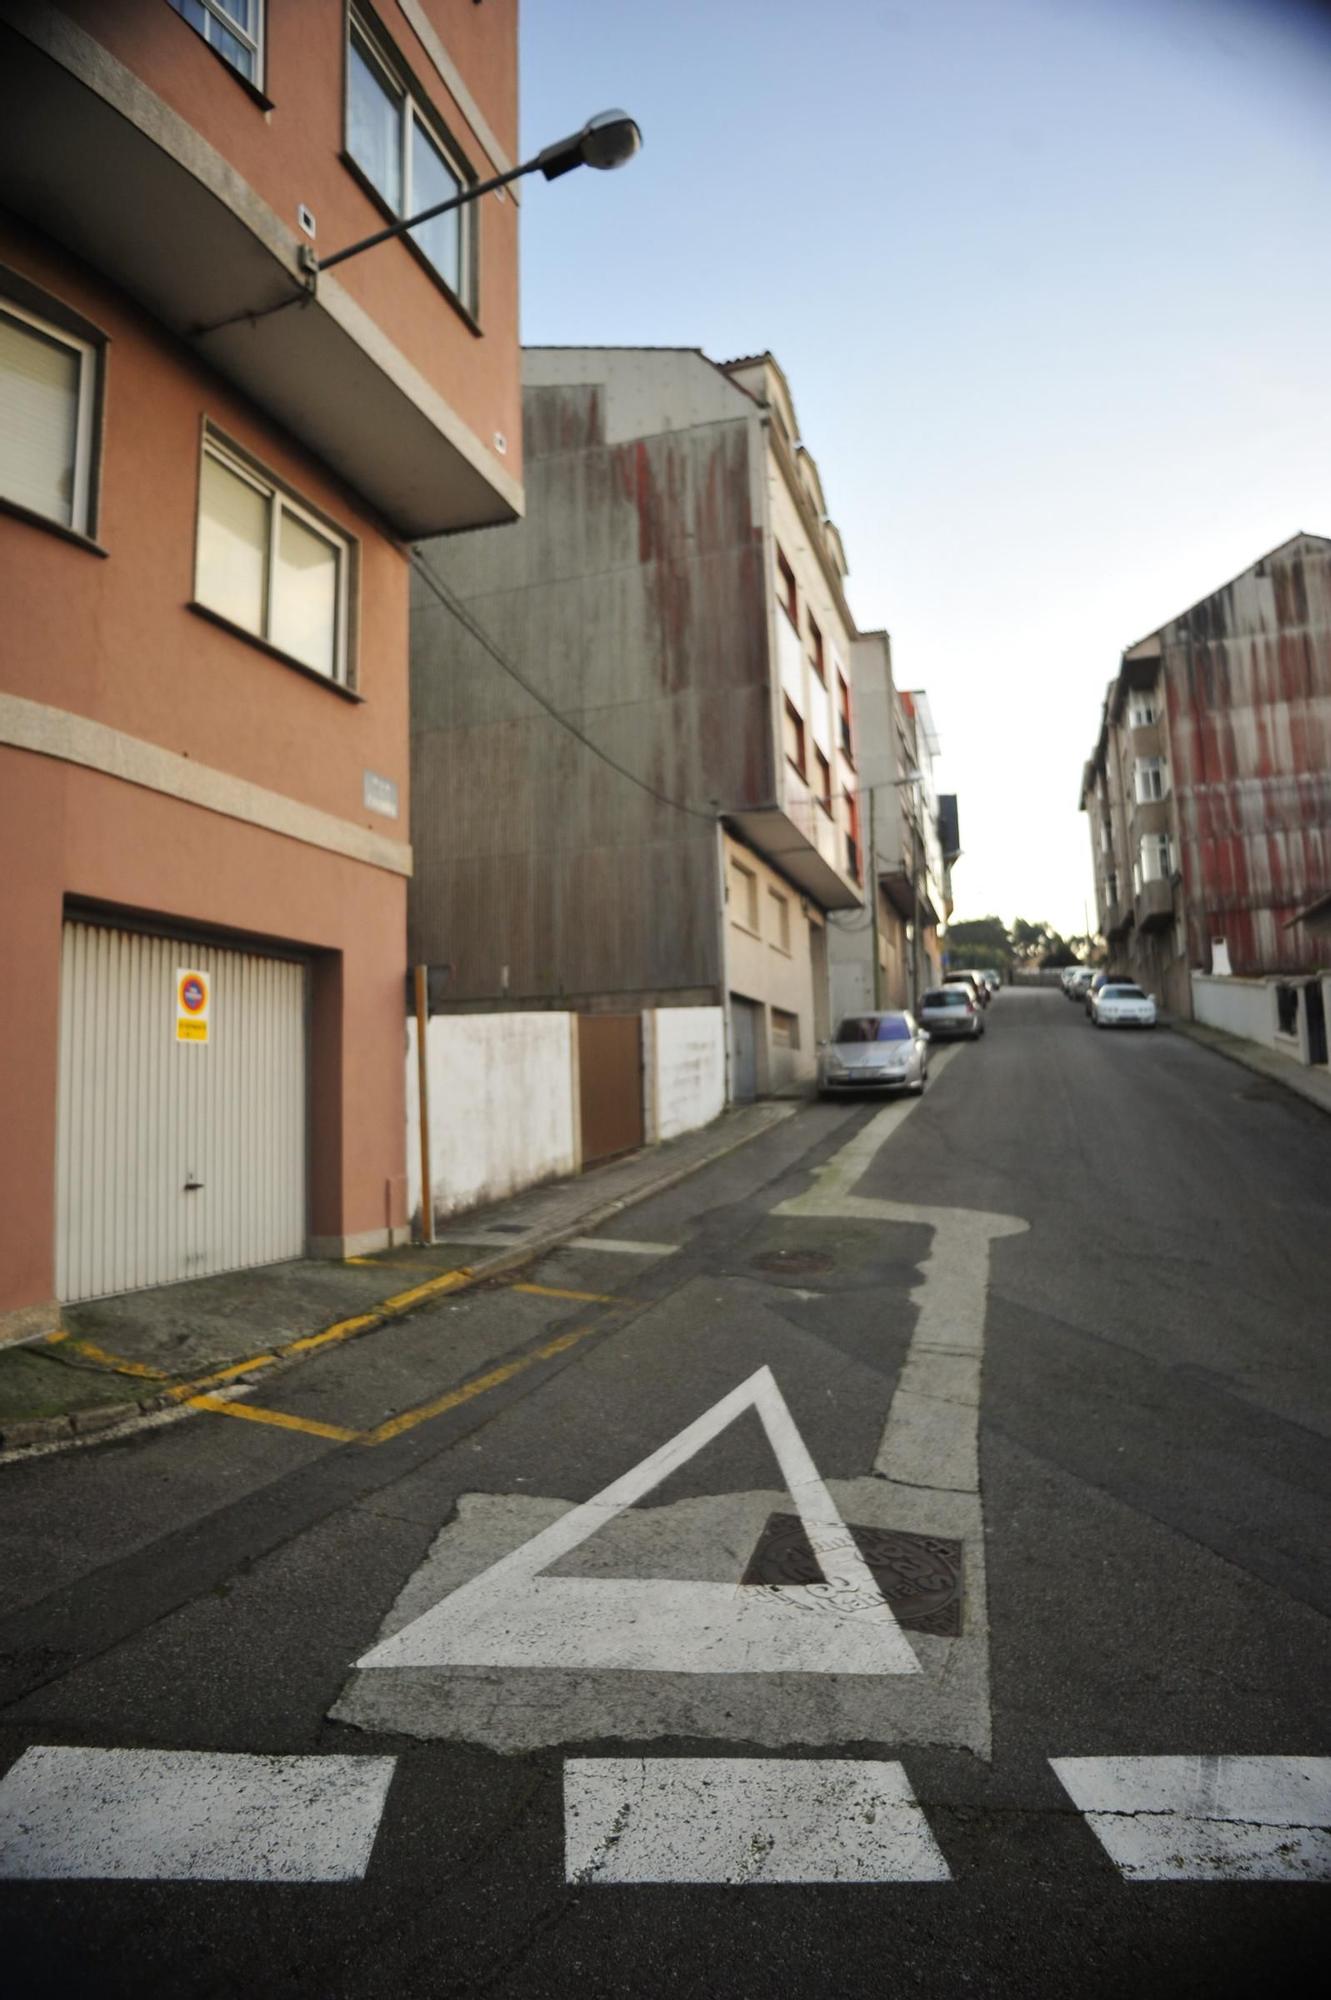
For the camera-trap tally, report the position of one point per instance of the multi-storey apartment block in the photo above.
(634, 747)
(911, 836)
(1209, 788)
(211, 458)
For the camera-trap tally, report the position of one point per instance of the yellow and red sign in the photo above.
(193, 993)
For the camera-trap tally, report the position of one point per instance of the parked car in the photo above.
(1077, 980)
(951, 1013)
(973, 983)
(981, 978)
(874, 1051)
(993, 980)
(1099, 979)
(1119, 1004)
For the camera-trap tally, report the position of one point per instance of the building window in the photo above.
(816, 651)
(786, 591)
(233, 27)
(268, 564)
(794, 737)
(785, 1029)
(1111, 887)
(843, 716)
(853, 835)
(780, 913)
(48, 393)
(1152, 779)
(393, 139)
(743, 897)
(823, 779)
(1157, 857)
(1142, 714)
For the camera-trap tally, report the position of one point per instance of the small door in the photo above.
(1316, 1010)
(743, 1050)
(609, 1084)
(179, 1153)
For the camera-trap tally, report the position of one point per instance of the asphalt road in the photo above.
(559, 1740)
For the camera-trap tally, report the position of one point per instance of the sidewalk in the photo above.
(1312, 1084)
(116, 1361)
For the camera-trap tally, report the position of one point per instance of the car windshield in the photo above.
(1122, 993)
(945, 996)
(874, 1028)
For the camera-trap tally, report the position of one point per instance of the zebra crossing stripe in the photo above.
(189, 1815)
(743, 1820)
(1206, 1819)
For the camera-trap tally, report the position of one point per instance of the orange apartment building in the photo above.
(212, 460)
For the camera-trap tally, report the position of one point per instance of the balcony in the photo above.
(94, 158)
(1155, 906)
(801, 839)
(1115, 917)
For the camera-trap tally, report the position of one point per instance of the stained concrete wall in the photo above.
(1247, 1007)
(503, 1106)
(685, 1060)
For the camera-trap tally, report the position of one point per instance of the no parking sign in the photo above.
(192, 997)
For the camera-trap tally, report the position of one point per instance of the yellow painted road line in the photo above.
(254, 1415)
(115, 1362)
(184, 1390)
(409, 1419)
(588, 1298)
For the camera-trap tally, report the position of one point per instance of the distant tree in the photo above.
(983, 942)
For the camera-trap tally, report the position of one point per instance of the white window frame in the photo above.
(1142, 714)
(216, 10)
(80, 520)
(1157, 857)
(412, 109)
(1149, 772)
(282, 500)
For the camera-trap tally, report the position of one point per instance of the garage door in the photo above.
(176, 1157)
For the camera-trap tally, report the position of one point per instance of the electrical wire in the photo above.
(440, 591)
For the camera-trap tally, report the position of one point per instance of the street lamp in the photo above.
(608, 140)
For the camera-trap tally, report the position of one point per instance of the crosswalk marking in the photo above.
(1206, 1819)
(189, 1815)
(743, 1820)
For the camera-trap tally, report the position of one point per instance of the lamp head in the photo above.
(610, 139)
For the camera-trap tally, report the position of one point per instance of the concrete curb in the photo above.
(1234, 1049)
(120, 1420)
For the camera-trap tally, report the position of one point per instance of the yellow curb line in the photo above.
(115, 1363)
(588, 1298)
(223, 1406)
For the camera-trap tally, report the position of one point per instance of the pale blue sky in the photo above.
(1052, 287)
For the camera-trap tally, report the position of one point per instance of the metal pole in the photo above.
(314, 263)
(423, 1101)
(915, 898)
(873, 891)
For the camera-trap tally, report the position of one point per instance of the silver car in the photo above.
(874, 1052)
(952, 1012)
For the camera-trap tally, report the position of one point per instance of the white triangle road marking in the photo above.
(513, 1616)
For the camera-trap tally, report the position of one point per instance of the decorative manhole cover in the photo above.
(919, 1575)
(792, 1263)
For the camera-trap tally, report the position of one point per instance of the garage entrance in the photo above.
(178, 1153)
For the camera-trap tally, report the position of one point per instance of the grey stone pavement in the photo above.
(1312, 1082)
(117, 1360)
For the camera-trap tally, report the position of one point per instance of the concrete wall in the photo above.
(1247, 1007)
(634, 598)
(503, 1106)
(504, 1097)
(684, 1050)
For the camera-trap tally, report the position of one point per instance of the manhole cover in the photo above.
(919, 1575)
(792, 1263)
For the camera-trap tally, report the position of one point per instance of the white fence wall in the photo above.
(504, 1097)
(503, 1106)
(1248, 1007)
(685, 1063)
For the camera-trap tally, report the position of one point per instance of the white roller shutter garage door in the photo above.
(175, 1157)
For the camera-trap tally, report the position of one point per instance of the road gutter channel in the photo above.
(40, 1436)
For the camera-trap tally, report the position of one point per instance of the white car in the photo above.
(874, 1051)
(1122, 1006)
